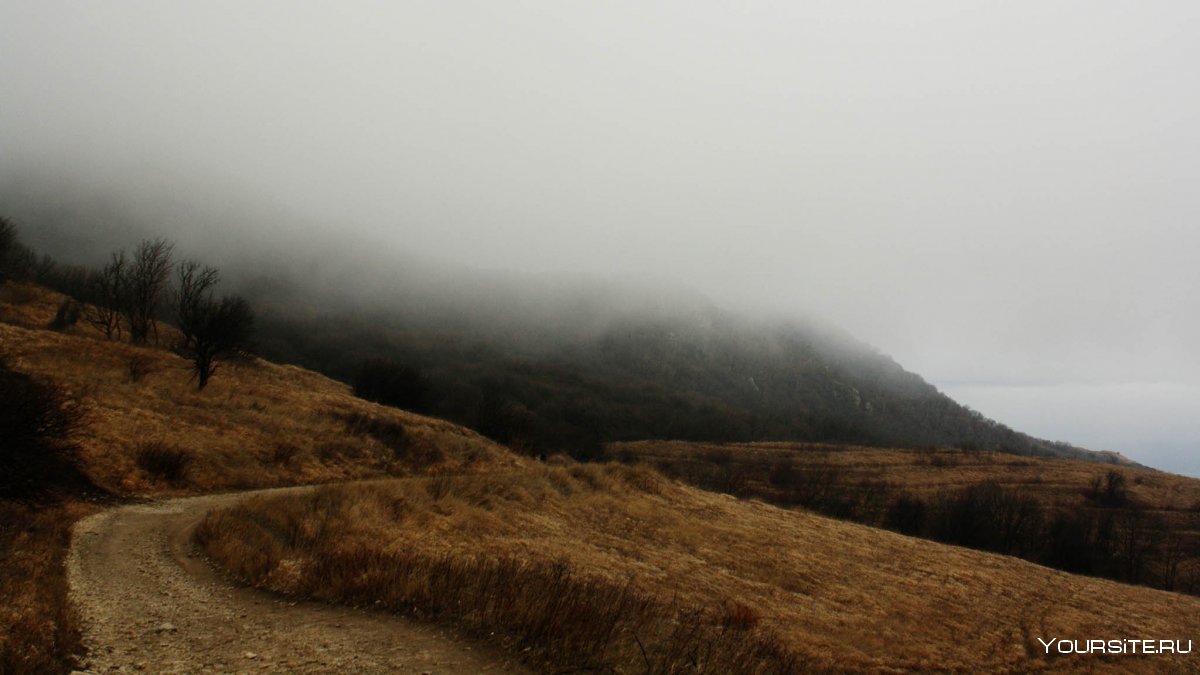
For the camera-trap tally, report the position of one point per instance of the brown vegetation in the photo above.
(38, 631)
(139, 428)
(1127, 523)
(586, 566)
(261, 426)
(589, 565)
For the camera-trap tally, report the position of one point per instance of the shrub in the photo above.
(138, 367)
(340, 449)
(783, 472)
(906, 515)
(283, 453)
(740, 616)
(67, 315)
(394, 436)
(37, 422)
(990, 517)
(1111, 490)
(11, 251)
(165, 462)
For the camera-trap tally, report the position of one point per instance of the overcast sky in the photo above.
(1002, 196)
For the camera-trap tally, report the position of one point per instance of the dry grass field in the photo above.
(592, 566)
(923, 473)
(1126, 523)
(38, 630)
(605, 566)
(146, 432)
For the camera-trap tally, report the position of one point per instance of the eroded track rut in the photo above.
(149, 602)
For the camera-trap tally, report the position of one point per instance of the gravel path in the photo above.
(149, 602)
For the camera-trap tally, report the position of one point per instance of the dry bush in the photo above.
(165, 462)
(67, 315)
(740, 616)
(284, 453)
(39, 633)
(138, 366)
(394, 436)
(39, 421)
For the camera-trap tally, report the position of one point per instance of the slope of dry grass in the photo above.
(922, 473)
(1058, 512)
(38, 630)
(147, 431)
(830, 594)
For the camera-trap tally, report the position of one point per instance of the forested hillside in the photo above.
(697, 373)
(550, 365)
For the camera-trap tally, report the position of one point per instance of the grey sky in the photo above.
(1000, 195)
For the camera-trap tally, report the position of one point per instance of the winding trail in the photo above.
(150, 602)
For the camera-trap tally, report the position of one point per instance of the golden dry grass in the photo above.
(837, 595)
(925, 473)
(733, 582)
(257, 424)
(38, 630)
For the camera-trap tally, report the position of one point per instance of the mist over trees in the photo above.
(106, 290)
(692, 375)
(129, 295)
(552, 365)
(210, 330)
(391, 383)
(143, 286)
(8, 245)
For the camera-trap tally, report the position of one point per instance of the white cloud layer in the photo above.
(994, 193)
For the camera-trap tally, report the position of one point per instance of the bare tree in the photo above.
(8, 245)
(107, 286)
(142, 287)
(211, 331)
(1173, 553)
(1137, 535)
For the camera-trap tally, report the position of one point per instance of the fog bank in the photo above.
(993, 194)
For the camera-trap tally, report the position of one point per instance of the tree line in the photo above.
(126, 298)
(1109, 535)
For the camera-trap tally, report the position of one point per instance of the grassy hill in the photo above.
(1123, 522)
(559, 364)
(580, 564)
(692, 372)
(604, 566)
(148, 432)
(145, 432)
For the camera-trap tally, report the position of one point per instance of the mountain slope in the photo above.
(547, 363)
(692, 373)
(612, 567)
(145, 430)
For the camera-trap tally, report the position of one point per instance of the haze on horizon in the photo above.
(998, 196)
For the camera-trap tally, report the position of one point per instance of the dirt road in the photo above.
(149, 602)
